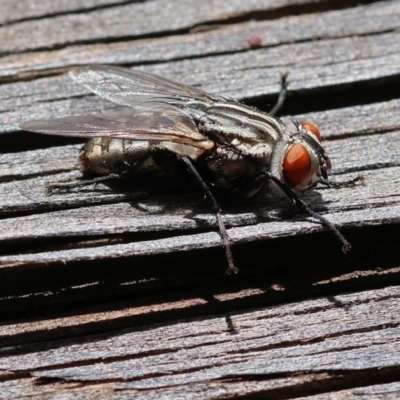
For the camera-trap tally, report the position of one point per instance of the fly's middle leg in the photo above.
(218, 213)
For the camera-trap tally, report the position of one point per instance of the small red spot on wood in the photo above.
(255, 41)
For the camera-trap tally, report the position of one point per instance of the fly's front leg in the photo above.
(218, 213)
(358, 180)
(303, 206)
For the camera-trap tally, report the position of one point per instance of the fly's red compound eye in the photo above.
(296, 165)
(312, 128)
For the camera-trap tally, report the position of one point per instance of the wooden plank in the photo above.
(149, 17)
(384, 391)
(363, 59)
(150, 296)
(177, 243)
(68, 300)
(253, 352)
(10, 11)
(15, 166)
(275, 390)
(359, 120)
(376, 150)
(129, 317)
(375, 18)
(358, 206)
(262, 328)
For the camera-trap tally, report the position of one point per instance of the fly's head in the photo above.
(299, 159)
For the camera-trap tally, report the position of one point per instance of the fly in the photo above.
(224, 144)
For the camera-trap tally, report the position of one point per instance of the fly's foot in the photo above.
(346, 247)
(66, 187)
(232, 270)
(358, 180)
(60, 187)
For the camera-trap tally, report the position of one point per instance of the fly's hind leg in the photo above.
(218, 213)
(93, 180)
(104, 160)
(65, 187)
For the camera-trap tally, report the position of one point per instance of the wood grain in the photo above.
(255, 352)
(375, 18)
(118, 290)
(363, 60)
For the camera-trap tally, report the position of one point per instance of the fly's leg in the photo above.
(303, 206)
(61, 187)
(358, 180)
(124, 172)
(282, 94)
(218, 213)
(51, 189)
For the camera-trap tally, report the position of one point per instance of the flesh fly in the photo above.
(224, 144)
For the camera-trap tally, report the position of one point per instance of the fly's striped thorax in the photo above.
(243, 129)
(233, 119)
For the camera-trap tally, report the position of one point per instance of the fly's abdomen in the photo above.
(102, 156)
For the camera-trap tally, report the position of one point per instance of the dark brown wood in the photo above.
(118, 290)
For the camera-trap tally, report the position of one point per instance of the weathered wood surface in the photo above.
(312, 344)
(119, 291)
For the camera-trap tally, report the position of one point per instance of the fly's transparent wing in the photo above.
(153, 109)
(132, 88)
(165, 124)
